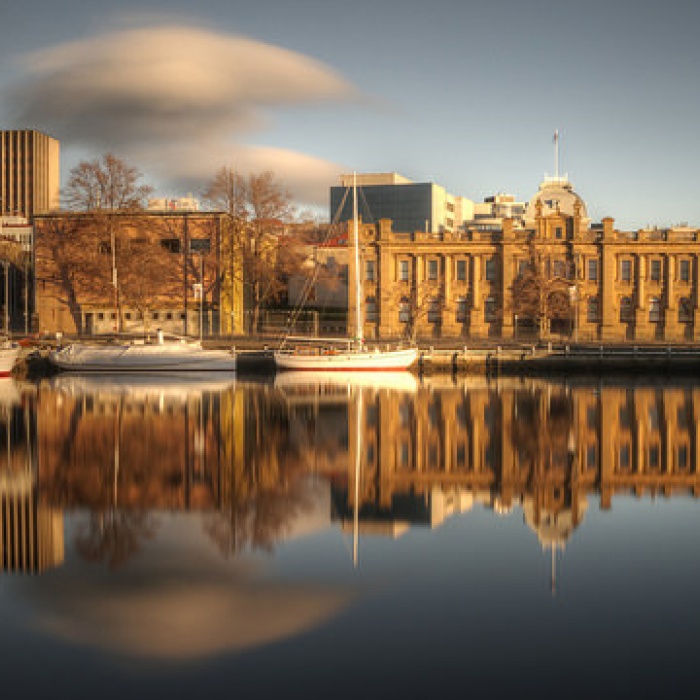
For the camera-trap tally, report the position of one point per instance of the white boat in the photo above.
(9, 352)
(356, 357)
(178, 355)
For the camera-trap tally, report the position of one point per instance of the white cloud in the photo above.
(176, 100)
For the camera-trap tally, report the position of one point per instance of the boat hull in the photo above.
(178, 357)
(378, 361)
(8, 357)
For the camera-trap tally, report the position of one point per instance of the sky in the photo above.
(463, 93)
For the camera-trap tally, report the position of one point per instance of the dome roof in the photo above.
(556, 195)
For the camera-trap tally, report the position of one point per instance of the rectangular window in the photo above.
(559, 268)
(684, 270)
(591, 457)
(461, 309)
(654, 454)
(432, 270)
(626, 270)
(403, 270)
(461, 271)
(558, 233)
(682, 457)
(655, 270)
(624, 457)
(490, 310)
(654, 310)
(369, 270)
(490, 269)
(593, 270)
(200, 245)
(172, 245)
(523, 267)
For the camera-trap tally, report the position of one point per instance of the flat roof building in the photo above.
(29, 173)
(412, 206)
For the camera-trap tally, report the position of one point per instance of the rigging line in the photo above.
(312, 279)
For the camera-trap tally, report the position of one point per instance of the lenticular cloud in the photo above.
(154, 89)
(167, 82)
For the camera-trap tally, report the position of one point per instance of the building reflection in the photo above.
(31, 531)
(390, 457)
(545, 448)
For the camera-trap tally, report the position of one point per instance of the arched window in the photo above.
(626, 310)
(404, 310)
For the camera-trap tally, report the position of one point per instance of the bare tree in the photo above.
(106, 188)
(259, 208)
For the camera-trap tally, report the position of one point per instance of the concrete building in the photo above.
(411, 206)
(29, 173)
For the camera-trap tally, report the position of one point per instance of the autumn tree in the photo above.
(258, 207)
(107, 190)
(540, 291)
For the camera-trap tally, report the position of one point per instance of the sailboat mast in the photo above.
(359, 333)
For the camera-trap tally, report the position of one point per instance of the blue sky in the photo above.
(463, 93)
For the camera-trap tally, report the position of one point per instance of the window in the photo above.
(655, 270)
(624, 457)
(369, 270)
(461, 270)
(490, 269)
(593, 270)
(558, 233)
(432, 270)
(371, 309)
(684, 270)
(434, 311)
(490, 310)
(523, 267)
(591, 457)
(462, 309)
(403, 270)
(200, 245)
(682, 457)
(172, 245)
(654, 310)
(626, 270)
(626, 310)
(592, 310)
(404, 310)
(685, 310)
(654, 455)
(559, 268)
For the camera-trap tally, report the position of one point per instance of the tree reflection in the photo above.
(113, 536)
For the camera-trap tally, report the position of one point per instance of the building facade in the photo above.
(176, 271)
(551, 274)
(29, 173)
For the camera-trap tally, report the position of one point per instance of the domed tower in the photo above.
(556, 196)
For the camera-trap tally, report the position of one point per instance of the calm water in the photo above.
(200, 537)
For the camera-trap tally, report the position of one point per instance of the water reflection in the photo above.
(189, 520)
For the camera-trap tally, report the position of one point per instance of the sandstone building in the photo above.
(550, 274)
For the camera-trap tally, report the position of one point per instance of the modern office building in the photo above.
(29, 173)
(412, 206)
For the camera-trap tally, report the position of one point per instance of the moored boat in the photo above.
(176, 355)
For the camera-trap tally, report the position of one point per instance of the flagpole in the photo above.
(556, 153)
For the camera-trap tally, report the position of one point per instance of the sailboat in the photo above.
(355, 356)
